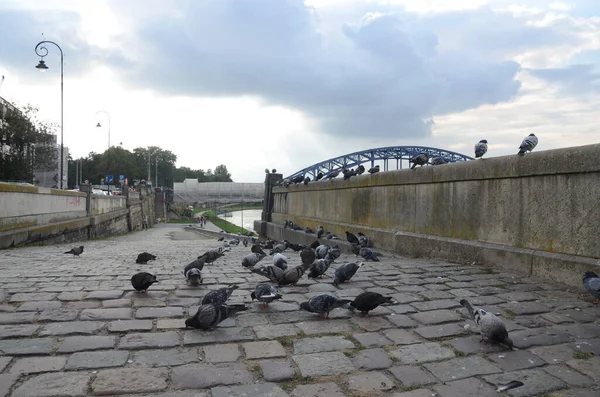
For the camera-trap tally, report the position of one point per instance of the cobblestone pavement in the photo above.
(74, 327)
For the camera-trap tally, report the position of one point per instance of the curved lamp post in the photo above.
(107, 152)
(42, 51)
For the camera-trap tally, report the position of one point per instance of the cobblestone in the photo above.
(77, 329)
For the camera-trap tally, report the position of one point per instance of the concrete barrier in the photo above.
(538, 214)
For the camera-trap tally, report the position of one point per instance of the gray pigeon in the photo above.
(320, 231)
(322, 251)
(438, 160)
(208, 316)
(265, 293)
(420, 159)
(328, 236)
(481, 148)
(528, 144)
(293, 275)
(490, 326)
(193, 276)
(363, 240)
(373, 170)
(220, 296)
(280, 261)
(333, 174)
(319, 267)
(271, 272)
(323, 304)
(251, 260)
(368, 254)
(334, 252)
(591, 283)
(345, 272)
(76, 251)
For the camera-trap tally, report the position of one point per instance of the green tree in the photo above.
(221, 174)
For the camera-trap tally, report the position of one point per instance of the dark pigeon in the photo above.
(528, 144)
(221, 239)
(197, 263)
(212, 255)
(373, 170)
(297, 247)
(209, 316)
(144, 258)
(491, 327)
(363, 240)
(76, 251)
(265, 293)
(323, 304)
(366, 253)
(306, 180)
(319, 267)
(368, 301)
(251, 260)
(360, 169)
(142, 281)
(314, 244)
(333, 174)
(420, 159)
(352, 239)
(328, 236)
(481, 148)
(308, 230)
(345, 272)
(279, 248)
(591, 283)
(245, 242)
(220, 296)
(319, 176)
(438, 161)
(308, 256)
(320, 231)
(257, 249)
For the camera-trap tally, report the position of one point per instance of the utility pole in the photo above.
(156, 175)
(149, 175)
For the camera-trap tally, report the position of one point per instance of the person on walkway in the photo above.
(145, 222)
(204, 221)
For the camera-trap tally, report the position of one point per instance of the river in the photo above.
(249, 217)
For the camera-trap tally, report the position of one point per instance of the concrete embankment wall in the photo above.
(538, 214)
(32, 215)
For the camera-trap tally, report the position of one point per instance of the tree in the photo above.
(221, 174)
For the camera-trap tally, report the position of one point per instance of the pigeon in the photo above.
(373, 170)
(352, 239)
(76, 251)
(308, 230)
(286, 224)
(293, 275)
(323, 304)
(528, 144)
(219, 297)
(420, 159)
(279, 248)
(212, 255)
(193, 276)
(360, 169)
(348, 174)
(144, 258)
(280, 261)
(591, 283)
(198, 264)
(308, 256)
(328, 236)
(245, 242)
(345, 272)
(297, 247)
(322, 251)
(490, 326)
(208, 316)
(257, 249)
(509, 386)
(333, 174)
(267, 171)
(319, 267)
(320, 231)
(306, 180)
(334, 252)
(368, 301)
(315, 244)
(367, 254)
(481, 148)
(251, 260)
(142, 281)
(438, 161)
(265, 293)
(319, 176)
(221, 239)
(273, 273)
(274, 171)
(363, 240)
(298, 179)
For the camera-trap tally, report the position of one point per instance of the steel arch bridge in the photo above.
(399, 153)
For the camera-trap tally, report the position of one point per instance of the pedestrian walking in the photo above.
(145, 222)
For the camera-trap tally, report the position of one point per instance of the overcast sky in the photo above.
(285, 83)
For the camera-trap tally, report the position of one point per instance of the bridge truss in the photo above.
(384, 154)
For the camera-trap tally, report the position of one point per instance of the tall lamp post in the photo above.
(42, 51)
(107, 152)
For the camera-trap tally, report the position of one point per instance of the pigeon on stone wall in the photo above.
(591, 283)
(265, 293)
(280, 261)
(363, 240)
(352, 239)
(142, 281)
(490, 326)
(360, 169)
(76, 251)
(438, 161)
(333, 174)
(420, 159)
(373, 170)
(345, 272)
(481, 148)
(144, 258)
(319, 176)
(219, 296)
(193, 276)
(323, 304)
(320, 231)
(528, 144)
(209, 316)
(368, 301)
(306, 180)
(251, 260)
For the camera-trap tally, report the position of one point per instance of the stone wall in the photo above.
(537, 214)
(106, 216)
(22, 206)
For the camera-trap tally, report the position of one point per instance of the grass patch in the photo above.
(291, 384)
(487, 270)
(409, 388)
(509, 314)
(426, 299)
(393, 358)
(204, 211)
(579, 355)
(458, 353)
(189, 221)
(286, 341)
(254, 368)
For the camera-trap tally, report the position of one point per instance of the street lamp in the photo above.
(107, 152)
(42, 51)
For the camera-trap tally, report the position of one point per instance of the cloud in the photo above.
(385, 75)
(573, 80)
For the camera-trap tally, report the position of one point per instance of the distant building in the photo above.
(51, 178)
(191, 191)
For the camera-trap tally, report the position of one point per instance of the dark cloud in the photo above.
(575, 79)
